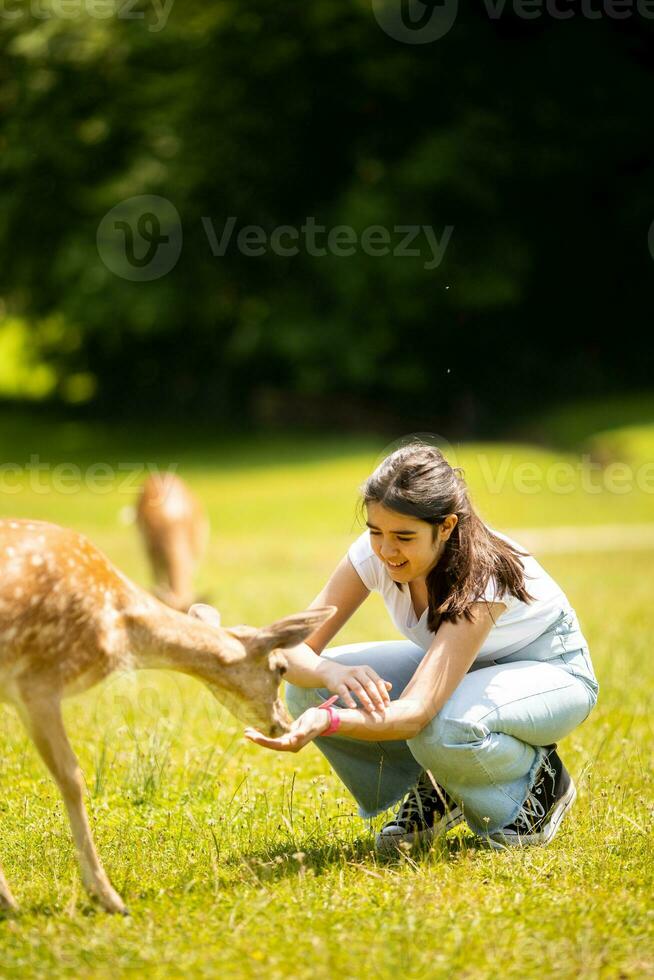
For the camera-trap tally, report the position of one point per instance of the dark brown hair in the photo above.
(416, 480)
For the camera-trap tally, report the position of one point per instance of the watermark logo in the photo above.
(416, 21)
(499, 474)
(140, 239)
(433, 440)
(424, 21)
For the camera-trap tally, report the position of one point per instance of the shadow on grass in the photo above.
(273, 864)
(284, 859)
(199, 447)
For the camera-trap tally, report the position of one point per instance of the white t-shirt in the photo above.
(517, 626)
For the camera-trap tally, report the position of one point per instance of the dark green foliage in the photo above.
(531, 138)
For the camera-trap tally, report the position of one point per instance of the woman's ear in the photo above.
(448, 525)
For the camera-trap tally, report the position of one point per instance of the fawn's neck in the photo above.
(163, 638)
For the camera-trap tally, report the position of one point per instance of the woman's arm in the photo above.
(437, 676)
(303, 665)
(306, 668)
(346, 591)
(450, 656)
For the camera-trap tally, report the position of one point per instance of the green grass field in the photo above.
(239, 862)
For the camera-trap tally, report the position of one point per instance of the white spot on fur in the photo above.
(36, 560)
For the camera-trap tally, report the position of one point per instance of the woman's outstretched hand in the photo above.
(363, 681)
(312, 722)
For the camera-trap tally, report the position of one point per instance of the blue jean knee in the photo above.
(456, 752)
(579, 664)
(443, 746)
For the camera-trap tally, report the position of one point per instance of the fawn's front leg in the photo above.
(7, 900)
(43, 720)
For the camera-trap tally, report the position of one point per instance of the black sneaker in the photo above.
(548, 801)
(426, 812)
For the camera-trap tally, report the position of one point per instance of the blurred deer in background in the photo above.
(69, 618)
(175, 531)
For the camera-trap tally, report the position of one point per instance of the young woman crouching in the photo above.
(462, 718)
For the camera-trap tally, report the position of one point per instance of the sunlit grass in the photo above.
(238, 862)
(632, 443)
(573, 424)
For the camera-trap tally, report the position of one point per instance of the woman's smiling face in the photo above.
(408, 547)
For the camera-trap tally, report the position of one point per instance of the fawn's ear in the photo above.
(291, 630)
(200, 610)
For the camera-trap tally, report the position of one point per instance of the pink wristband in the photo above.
(334, 720)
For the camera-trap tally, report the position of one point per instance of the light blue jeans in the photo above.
(486, 743)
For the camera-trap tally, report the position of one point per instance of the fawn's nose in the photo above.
(279, 727)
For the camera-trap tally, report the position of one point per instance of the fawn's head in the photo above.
(250, 688)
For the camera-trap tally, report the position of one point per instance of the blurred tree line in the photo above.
(532, 139)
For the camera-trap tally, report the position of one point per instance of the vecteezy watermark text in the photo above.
(424, 21)
(501, 473)
(316, 240)
(140, 239)
(69, 478)
(155, 18)
(584, 475)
